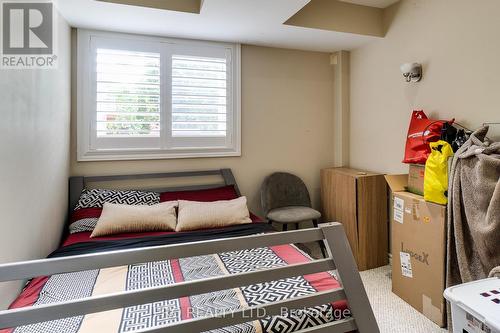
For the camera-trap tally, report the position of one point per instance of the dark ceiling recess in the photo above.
(187, 6)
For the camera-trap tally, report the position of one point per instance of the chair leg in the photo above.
(321, 243)
(275, 227)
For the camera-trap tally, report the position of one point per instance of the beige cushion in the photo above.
(204, 215)
(118, 218)
(292, 214)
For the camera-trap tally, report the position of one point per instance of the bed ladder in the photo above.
(340, 259)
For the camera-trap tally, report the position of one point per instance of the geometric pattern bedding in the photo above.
(132, 277)
(63, 287)
(95, 198)
(82, 225)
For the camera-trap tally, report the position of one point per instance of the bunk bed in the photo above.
(231, 279)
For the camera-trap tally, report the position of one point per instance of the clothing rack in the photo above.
(484, 124)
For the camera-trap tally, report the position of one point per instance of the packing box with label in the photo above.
(416, 175)
(418, 230)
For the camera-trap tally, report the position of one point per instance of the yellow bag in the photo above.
(436, 173)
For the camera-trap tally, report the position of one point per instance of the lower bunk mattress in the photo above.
(70, 286)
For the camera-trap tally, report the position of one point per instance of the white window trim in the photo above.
(85, 107)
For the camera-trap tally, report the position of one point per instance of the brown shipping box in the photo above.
(416, 179)
(418, 230)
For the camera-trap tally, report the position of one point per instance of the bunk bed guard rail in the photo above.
(340, 258)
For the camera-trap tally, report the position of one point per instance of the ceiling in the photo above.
(373, 3)
(258, 22)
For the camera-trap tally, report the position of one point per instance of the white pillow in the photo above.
(119, 218)
(195, 215)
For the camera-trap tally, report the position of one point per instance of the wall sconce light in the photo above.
(412, 71)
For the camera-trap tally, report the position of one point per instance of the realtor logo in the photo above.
(27, 34)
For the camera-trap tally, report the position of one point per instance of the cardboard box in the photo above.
(399, 183)
(416, 179)
(418, 230)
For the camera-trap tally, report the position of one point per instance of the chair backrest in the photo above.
(282, 189)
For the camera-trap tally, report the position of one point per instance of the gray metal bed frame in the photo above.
(340, 258)
(78, 183)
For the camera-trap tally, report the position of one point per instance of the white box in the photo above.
(475, 306)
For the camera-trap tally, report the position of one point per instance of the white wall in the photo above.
(457, 42)
(34, 167)
(287, 120)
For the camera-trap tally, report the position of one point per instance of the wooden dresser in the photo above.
(358, 199)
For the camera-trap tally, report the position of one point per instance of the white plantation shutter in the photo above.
(128, 94)
(199, 96)
(144, 97)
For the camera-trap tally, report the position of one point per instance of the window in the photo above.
(127, 94)
(199, 101)
(146, 97)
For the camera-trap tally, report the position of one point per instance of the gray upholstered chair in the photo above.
(285, 200)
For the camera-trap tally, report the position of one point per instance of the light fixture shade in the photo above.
(407, 67)
(412, 71)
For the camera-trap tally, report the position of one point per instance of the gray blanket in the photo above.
(474, 211)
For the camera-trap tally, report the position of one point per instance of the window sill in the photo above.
(127, 155)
